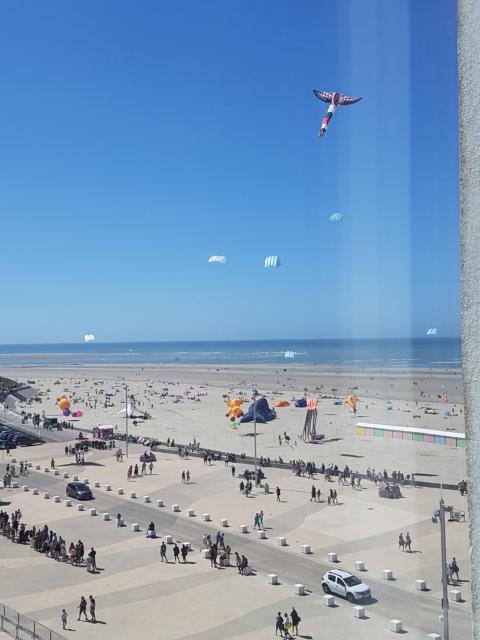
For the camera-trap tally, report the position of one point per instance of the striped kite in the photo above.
(334, 100)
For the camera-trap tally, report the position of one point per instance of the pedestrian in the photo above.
(401, 542)
(238, 562)
(129, 473)
(295, 618)
(184, 552)
(82, 608)
(183, 477)
(233, 472)
(119, 520)
(176, 553)
(64, 617)
(408, 542)
(92, 609)
(256, 521)
(313, 495)
(260, 516)
(319, 493)
(279, 624)
(188, 476)
(92, 555)
(277, 490)
(163, 552)
(455, 569)
(287, 625)
(52, 463)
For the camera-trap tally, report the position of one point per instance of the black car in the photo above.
(79, 491)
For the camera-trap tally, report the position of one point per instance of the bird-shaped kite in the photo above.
(334, 100)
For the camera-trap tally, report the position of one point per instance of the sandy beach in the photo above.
(187, 402)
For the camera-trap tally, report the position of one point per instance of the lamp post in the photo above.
(255, 394)
(126, 420)
(443, 552)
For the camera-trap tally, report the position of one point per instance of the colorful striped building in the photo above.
(427, 436)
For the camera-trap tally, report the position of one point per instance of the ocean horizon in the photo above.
(421, 353)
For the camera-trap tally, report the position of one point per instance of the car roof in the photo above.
(340, 573)
(77, 484)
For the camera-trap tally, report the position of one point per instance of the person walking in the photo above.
(163, 552)
(279, 624)
(92, 555)
(176, 553)
(119, 520)
(238, 562)
(188, 476)
(313, 494)
(408, 542)
(401, 542)
(184, 552)
(52, 464)
(319, 493)
(183, 477)
(278, 492)
(92, 609)
(287, 625)
(295, 618)
(455, 569)
(63, 618)
(256, 521)
(233, 472)
(129, 473)
(82, 608)
(260, 517)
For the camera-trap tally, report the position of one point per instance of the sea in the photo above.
(421, 353)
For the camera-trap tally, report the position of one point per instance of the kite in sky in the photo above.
(334, 100)
(218, 259)
(432, 331)
(272, 262)
(336, 217)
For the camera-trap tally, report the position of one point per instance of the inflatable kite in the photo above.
(89, 337)
(235, 403)
(352, 402)
(262, 411)
(334, 100)
(432, 332)
(336, 217)
(218, 259)
(289, 354)
(272, 262)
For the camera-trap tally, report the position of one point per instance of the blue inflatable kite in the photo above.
(262, 410)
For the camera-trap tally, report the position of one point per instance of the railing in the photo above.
(20, 627)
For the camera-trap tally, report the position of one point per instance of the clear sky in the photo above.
(139, 138)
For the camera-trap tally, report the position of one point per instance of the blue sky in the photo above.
(140, 138)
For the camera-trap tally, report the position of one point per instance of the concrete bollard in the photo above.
(420, 585)
(191, 513)
(46, 469)
(65, 475)
(305, 548)
(57, 499)
(205, 553)
(108, 487)
(96, 484)
(332, 556)
(121, 522)
(25, 487)
(206, 517)
(175, 508)
(105, 516)
(299, 589)
(225, 562)
(328, 600)
(282, 541)
(37, 467)
(358, 611)
(243, 528)
(146, 499)
(168, 539)
(75, 478)
(133, 494)
(359, 565)
(223, 522)
(119, 490)
(14, 484)
(434, 636)
(81, 507)
(93, 512)
(396, 626)
(35, 492)
(67, 503)
(14, 461)
(455, 595)
(135, 526)
(159, 503)
(86, 481)
(46, 495)
(272, 578)
(56, 472)
(261, 535)
(387, 574)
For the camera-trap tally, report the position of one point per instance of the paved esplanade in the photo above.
(195, 601)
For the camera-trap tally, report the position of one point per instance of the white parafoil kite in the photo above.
(89, 337)
(432, 331)
(336, 217)
(218, 259)
(272, 262)
(289, 354)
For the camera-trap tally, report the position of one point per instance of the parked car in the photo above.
(346, 585)
(79, 491)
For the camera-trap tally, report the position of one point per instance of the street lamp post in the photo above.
(126, 420)
(255, 394)
(443, 547)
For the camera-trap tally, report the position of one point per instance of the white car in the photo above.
(342, 583)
